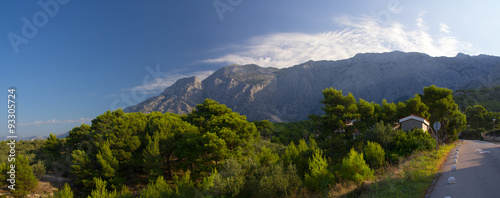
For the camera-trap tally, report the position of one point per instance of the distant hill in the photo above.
(36, 137)
(489, 98)
(292, 93)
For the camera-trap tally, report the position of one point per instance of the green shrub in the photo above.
(407, 142)
(374, 154)
(384, 134)
(393, 157)
(228, 182)
(250, 178)
(354, 168)
(276, 181)
(231, 179)
(39, 169)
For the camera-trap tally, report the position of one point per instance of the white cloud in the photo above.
(152, 86)
(444, 28)
(359, 35)
(420, 21)
(54, 121)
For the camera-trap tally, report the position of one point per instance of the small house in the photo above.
(412, 121)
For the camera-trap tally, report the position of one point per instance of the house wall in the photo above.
(410, 124)
(425, 127)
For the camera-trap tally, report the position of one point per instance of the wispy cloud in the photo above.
(54, 121)
(444, 28)
(159, 84)
(358, 35)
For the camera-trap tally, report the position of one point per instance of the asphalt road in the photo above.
(477, 174)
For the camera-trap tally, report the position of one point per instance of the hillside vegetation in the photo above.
(489, 98)
(215, 152)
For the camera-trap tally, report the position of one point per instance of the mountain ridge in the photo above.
(292, 93)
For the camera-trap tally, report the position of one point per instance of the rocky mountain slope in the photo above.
(291, 94)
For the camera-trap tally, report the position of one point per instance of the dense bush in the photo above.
(374, 154)
(407, 142)
(250, 178)
(230, 180)
(354, 168)
(287, 132)
(384, 134)
(472, 134)
(278, 181)
(39, 169)
(299, 155)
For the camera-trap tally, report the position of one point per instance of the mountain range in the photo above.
(290, 94)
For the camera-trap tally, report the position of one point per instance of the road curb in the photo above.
(431, 188)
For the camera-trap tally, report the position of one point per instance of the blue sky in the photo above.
(71, 61)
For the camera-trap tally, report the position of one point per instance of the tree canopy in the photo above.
(443, 109)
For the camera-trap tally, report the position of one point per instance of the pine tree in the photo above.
(52, 145)
(339, 110)
(82, 168)
(354, 168)
(25, 178)
(107, 162)
(416, 107)
(443, 109)
(66, 192)
(320, 177)
(157, 189)
(265, 128)
(290, 155)
(100, 191)
(216, 149)
(4, 168)
(152, 157)
(267, 157)
(374, 154)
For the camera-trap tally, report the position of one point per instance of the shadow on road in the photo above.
(477, 174)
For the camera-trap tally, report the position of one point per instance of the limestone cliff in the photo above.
(292, 93)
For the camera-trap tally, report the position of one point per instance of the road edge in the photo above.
(433, 184)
